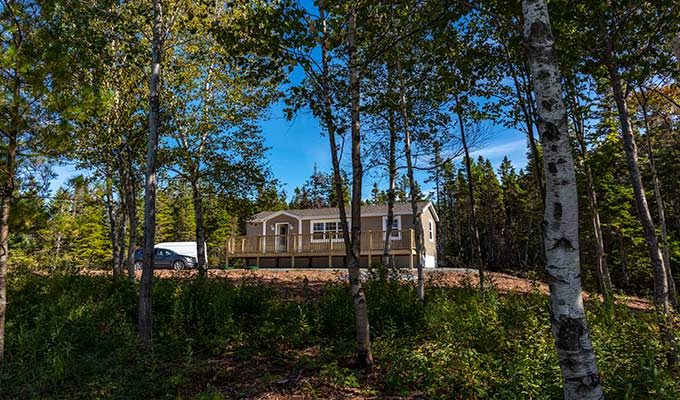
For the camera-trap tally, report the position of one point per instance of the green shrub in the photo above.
(75, 337)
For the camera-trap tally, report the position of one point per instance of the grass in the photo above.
(74, 337)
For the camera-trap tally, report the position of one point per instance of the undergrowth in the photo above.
(75, 337)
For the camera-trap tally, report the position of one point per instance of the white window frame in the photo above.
(396, 233)
(338, 229)
(430, 230)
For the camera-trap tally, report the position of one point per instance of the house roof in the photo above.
(329, 212)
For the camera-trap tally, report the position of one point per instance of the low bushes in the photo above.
(75, 337)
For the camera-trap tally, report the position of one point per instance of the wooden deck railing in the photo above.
(314, 244)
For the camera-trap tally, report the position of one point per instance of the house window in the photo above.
(323, 230)
(396, 227)
(430, 230)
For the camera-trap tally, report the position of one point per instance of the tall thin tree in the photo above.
(575, 353)
(364, 356)
(476, 242)
(604, 279)
(145, 312)
(672, 295)
(351, 238)
(661, 298)
(413, 189)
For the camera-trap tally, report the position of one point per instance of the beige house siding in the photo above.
(293, 224)
(426, 218)
(301, 222)
(254, 229)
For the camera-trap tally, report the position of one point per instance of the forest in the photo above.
(158, 107)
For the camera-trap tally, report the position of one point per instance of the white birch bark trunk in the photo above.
(350, 238)
(364, 356)
(201, 257)
(145, 315)
(672, 296)
(661, 300)
(575, 353)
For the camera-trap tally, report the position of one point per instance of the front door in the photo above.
(282, 238)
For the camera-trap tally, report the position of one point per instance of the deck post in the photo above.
(292, 253)
(330, 250)
(226, 253)
(411, 248)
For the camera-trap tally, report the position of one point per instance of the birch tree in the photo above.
(642, 100)
(145, 312)
(325, 90)
(661, 291)
(364, 355)
(575, 353)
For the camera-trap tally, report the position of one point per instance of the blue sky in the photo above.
(296, 146)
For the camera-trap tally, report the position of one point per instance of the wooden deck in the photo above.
(316, 245)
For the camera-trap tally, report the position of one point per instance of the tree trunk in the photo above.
(131, 206)
(492, 236)
(145, 313)
(417, 225)
(392, 172)
(5, 204)
(580, 375)
(200, 229)
(660, 282)
(476, 245)
(529, 118)
(442, 234)
(122, 237)
(113, 229)
(672, 295)
(364, 356)
(352, 244)
(603, 277)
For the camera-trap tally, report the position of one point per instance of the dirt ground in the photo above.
(290, 281)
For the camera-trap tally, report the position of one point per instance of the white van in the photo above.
(183, 248)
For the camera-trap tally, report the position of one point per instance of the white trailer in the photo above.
(184, 248)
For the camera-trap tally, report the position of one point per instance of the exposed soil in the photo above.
(292, 281)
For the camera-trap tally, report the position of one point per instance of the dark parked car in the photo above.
(164, 258)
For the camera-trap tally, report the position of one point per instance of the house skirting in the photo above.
(320, 261)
